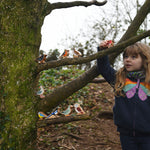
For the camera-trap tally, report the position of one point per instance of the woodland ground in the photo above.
(94, 134)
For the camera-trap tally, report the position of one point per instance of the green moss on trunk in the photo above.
(20, 22)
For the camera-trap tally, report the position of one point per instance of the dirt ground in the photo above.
(94, 134)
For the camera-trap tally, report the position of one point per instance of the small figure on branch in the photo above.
(53, 114)
(42, 115)
(106, 44)
(68, 111)
(41, 92)
(76, 54)
(79, 109)
(65, 54)
(41, 59)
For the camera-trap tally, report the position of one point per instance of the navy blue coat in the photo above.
(131, 115)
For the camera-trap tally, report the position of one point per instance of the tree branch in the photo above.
(59, 5)
(67, 119)
(77, 3)
(105, 114)
(42, 123)
(134, 26)
(74, 61)
(46, 122)
(59, 94)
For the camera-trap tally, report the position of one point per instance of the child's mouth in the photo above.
(128, 65)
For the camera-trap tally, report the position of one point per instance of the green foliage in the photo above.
(53, 78)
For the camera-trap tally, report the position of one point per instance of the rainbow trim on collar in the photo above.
(131, 87)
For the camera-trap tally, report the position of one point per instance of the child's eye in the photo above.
(126, 56)
(133, 57)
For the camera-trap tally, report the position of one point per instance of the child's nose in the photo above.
(128, 58)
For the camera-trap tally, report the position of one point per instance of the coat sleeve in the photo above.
(106, 70)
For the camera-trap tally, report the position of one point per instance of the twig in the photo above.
(46, 122)
(105, 115)
(93, 144)
(73, 136)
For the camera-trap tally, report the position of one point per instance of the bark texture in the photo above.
(20, 32)
(20, 23)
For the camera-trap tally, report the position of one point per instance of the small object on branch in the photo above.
(68, 111)
(79, 109)
(106, 44)
(42, 115)
(41, 92)
(76, 54)
(41, 59)
(53, 114)
(65, 54)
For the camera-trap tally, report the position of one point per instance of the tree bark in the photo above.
(105, 115)
(67, 119)
(20, 25)
(46, 122)
(60, 5)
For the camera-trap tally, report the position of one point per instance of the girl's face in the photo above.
(132, 62)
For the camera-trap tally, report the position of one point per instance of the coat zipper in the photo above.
(137, 88)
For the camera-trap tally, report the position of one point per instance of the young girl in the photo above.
(132, 95)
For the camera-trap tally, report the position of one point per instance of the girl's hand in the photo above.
(106, 44)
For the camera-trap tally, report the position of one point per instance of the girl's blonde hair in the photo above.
(135, 49)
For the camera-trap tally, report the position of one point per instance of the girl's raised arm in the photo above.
(103, 65)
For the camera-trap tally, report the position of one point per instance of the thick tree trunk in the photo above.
(20, 25)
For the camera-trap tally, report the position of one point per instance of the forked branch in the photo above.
(74, 61)
(59, 5)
